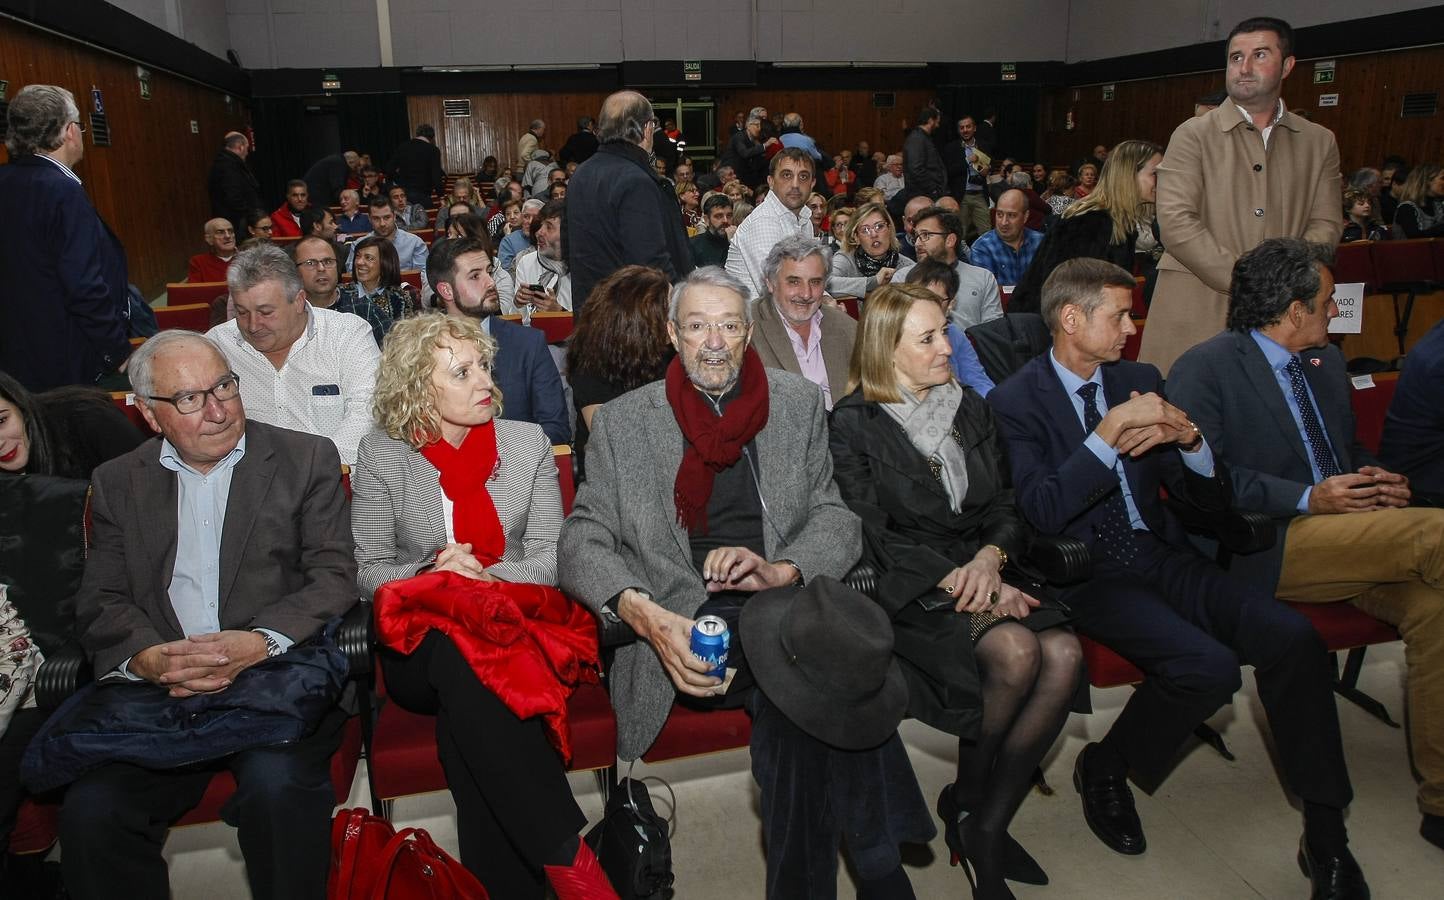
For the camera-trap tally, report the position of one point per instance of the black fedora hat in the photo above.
(823, 654)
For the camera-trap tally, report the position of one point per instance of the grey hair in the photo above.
(757, 112)
(501, 184)
(891, 157)
(1364, 179)
(1020, 179)
(795, 247)
(535, 124)
(712, 276)
(262, 263)
(1270, 277)
(792, 120)
(37, 119)
(532, 204)
(235, 139)
(353, 192)
(624, 117)
(140, 367)
(1080, 281)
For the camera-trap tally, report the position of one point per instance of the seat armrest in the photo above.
(356, 638)
(863, 579)
(1236, 530)
(62, 674)
(1060, 559)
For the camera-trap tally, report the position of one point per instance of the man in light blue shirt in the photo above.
(410, 249)
(216, 547)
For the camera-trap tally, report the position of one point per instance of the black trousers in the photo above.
(114, 821)
(1189, 625)
(514, 807)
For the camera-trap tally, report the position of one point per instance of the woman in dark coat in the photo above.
(1103, 225)
(916, 456)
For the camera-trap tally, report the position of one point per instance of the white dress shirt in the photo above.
(529, 270)
(324, 387)
(769, 223)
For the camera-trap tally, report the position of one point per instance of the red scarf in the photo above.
(464, 473)
(713, 443)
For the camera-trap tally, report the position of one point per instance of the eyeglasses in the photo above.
(314, 264)
(731, 330)
(222, 232)
(874, 228)
(919, 235)
(191, 402)
(77, 124)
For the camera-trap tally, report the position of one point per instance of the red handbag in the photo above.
(371, 860)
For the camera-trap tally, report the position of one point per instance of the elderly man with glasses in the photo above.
(222, 544)
(64, 306)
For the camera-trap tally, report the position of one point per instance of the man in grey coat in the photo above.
(670, 526)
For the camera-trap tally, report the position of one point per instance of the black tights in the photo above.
(1029, 680)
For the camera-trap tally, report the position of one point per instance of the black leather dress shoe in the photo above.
(1333, 877)
(1108, 807)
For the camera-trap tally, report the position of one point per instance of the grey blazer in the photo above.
(770, 340)
(396, 511)
(623, 531)
(286, 561)
(1226, 386)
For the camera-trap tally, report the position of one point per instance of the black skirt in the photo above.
(935, 649)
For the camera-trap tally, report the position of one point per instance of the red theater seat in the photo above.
(1354, 263)
(557, 326)
(193, 316)
(1370, 407)
(188, 293)
(123, 401)
(691, 732)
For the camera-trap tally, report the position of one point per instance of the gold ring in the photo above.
(948, 588)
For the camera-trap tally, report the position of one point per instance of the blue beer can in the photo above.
(710, 640)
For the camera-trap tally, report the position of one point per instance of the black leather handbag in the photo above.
(633, 844)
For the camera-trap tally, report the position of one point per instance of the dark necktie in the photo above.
(1313, 431)
(1115, 531)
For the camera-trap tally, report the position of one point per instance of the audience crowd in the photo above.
(780, 372)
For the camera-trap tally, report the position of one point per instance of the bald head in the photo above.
(237, 143)
(948, 202)
(627, 116)
(913, 207)
(1010, 215)
(220, 237)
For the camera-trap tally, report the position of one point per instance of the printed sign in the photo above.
(96, 104)
(1108, 91)
(692, 70)
(1010, 71)
(1350, 300)
(1328, 99)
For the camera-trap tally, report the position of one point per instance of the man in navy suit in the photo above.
(460, 271)
(64, 312)
(1091, 440)
(1272, 396)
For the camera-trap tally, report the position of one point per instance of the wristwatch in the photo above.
(272, 647)
(798, 580)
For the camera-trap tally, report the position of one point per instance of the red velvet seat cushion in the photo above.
(1343, 627)
(689, 732)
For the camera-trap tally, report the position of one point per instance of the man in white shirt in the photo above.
(891, 181)
(302, 368)
(783, 213)
(542, 280)
(410, 249)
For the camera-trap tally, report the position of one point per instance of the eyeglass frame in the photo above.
(208, 392)
(317, 263)
(706, 328)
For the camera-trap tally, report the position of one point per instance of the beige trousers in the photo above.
(1390, 564)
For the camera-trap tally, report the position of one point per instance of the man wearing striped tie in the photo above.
(1271, 396)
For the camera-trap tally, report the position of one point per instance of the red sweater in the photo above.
(207, 267)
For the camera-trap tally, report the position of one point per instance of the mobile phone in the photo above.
(326, 390)
(537, 287)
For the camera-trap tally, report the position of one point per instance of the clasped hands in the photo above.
(1146, 421)
(459, 559)
(200, 663)
(1369, 489)
(978, 587)
(670, 634)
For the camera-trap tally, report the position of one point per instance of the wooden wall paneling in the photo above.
(1366, 122)
(150, 184)
(836, 119)
(496, 121)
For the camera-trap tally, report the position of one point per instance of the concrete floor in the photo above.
(1215, 829)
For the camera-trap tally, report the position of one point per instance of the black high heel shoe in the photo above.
(1018, 864)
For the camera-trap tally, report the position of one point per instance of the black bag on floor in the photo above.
(633, 844)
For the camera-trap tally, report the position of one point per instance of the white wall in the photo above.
(344, 33)
(1098, 29)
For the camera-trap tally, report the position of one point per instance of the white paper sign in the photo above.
(1362, 382)
(1350, 300)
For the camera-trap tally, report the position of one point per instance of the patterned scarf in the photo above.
(868, 266)
(929, 425)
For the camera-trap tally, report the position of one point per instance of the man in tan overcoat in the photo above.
(1247, 171)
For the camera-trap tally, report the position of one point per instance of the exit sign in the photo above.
(692, 70)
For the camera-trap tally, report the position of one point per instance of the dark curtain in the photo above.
(373, 123)
(1017, 107)
(279, 155)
